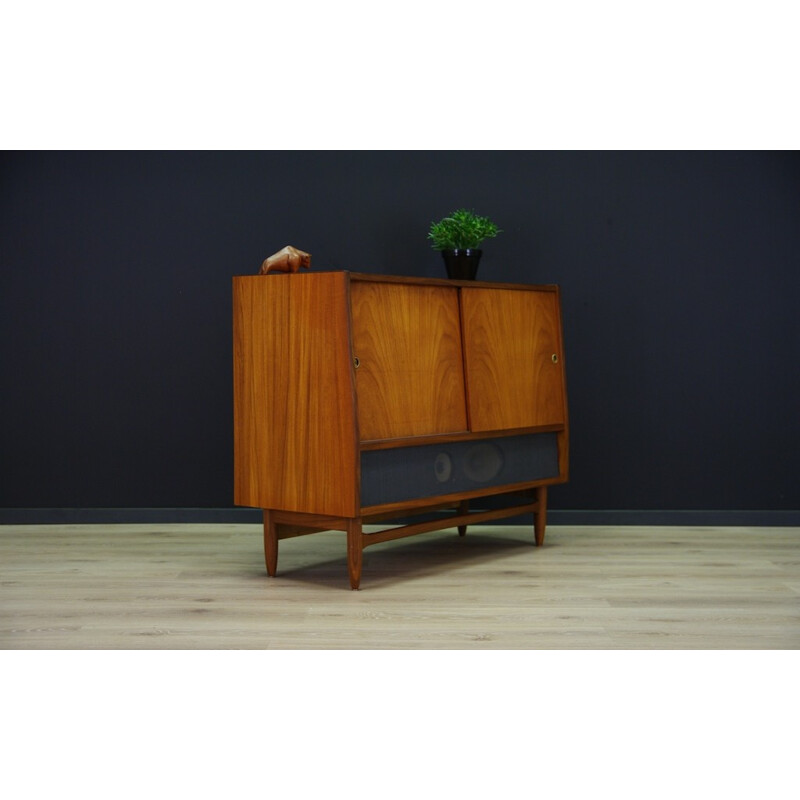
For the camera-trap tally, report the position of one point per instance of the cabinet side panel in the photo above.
(563, 437)
(294, 421)
(410, 379)
(513, 358)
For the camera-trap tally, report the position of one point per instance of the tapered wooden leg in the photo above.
(270, 543)
(463, 508)
(355, 547)
(540, 516)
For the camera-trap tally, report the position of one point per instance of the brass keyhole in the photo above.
(555, 358)
(356, 362)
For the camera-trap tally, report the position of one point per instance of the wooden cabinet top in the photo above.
(360, 276)
(369, 276)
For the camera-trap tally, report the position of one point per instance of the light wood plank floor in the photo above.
(205, 587)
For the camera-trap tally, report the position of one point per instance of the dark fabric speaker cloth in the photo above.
(409, 473)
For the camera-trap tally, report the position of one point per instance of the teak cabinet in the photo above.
(365, 398)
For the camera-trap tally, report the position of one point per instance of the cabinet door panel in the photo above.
(410, 378)
(510, 340)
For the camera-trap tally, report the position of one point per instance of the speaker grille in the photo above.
(411, 473)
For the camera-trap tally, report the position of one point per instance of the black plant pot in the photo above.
(462, 264)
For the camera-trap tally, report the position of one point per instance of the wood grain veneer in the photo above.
(294, 432)
(513, 358)
(410, 378)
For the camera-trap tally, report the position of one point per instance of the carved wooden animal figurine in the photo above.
(290, 259)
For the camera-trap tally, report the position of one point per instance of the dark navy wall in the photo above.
(680, 276)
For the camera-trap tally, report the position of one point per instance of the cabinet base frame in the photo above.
(280, 524)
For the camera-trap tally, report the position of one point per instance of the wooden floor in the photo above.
(205, 587)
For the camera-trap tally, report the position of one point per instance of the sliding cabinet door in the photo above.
(513, 357)
(407, 346)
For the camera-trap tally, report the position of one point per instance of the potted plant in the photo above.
(459, 237)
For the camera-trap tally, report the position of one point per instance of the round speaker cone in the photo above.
(483, 462)
(443, 467)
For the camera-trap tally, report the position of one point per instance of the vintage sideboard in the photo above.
(361, 399)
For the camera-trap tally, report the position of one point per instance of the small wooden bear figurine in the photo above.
(290, 259)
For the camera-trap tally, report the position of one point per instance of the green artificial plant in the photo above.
(461, 230)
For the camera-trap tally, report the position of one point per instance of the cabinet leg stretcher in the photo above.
(288, 524)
